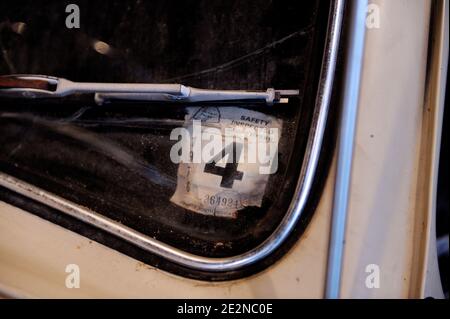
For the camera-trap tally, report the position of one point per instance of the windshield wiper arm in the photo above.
(39, 86)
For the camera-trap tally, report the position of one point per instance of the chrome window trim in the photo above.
(347, 127)
(288, 222)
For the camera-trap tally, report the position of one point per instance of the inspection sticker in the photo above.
(230, 153)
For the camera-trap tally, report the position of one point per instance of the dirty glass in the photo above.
(115, 158)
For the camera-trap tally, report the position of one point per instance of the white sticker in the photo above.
(234, 173)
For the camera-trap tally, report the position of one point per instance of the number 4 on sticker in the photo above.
(229, 173)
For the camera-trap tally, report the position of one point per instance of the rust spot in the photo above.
(8, 82)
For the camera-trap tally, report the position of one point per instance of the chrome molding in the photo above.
(289, 221)
(347, 127)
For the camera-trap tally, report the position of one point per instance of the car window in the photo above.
(115, 159)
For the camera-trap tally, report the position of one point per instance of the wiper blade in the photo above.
(39, 86)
